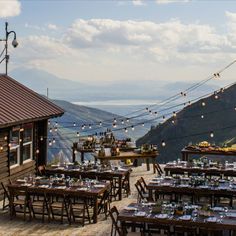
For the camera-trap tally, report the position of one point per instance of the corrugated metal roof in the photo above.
(19, 104)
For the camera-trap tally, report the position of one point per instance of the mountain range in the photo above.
(211, 119)
(76, 91)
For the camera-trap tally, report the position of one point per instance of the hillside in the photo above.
(218, 113)
(67, 132)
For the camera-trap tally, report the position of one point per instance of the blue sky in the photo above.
(107, 41)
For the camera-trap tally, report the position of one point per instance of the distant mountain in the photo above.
(218, 113)
(65, 89)
(71, 122)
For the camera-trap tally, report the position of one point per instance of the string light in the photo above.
(211, 134)
(55, 129)
(127, 120)
(142, 124)
(37, 151)
(74, 124)
(1, 148)
(56, 124)
(90, 126)
(5, 138)
(122, 122)
(174, 114)
(203, 104)
(216, 96)
(77, 134)
(202, 116)
(132, 127)
(49, 122)
(114, 125)
(163, 144)
(126, 130)
(53, 140)
(217, 75)
(100, 123)
(50, 130)
(41, 138)
(173, 121)
(50, 143)
(114, 120)
(83, 127)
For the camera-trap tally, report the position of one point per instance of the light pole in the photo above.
(14, 44)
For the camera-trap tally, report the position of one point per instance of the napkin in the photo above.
(128, 208)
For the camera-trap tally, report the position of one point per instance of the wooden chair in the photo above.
(104, 203)
(6, 197)
(18, 198)
(126, 184)
(116, 228)
(158, 169)
(38, 203)
(78, 208)
(142, 195)
(58, 204)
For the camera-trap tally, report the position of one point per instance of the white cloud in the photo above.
(9, 8)
(52, 27)
(138, 2)
(171, 1)
(111, 46)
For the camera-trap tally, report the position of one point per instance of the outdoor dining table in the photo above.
(143, 213)
(208, 171)
(170, 187)
(81, 191)
(119, 174)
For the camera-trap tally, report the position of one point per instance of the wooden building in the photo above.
(24, 118)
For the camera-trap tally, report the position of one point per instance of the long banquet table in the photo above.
(209, 171)
(81, 191)
(169, 187)
(119, 173)
(138, 213)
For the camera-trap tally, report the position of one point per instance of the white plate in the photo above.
(140, 213)
(211, 219)
(162, 216)
(185, 217)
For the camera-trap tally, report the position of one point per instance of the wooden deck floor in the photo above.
(18, 227)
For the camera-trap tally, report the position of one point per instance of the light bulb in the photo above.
(216, 96)
(55, 129)
(49, 122)
(127, 120)
(212, 134)
(41, 138)
(202, 116)
(50, 130)
(203, 104)
(50, 143)
(53, 140)
(114, 125)
(77, 134)
(56, 124)
(173, 121)
(90, 127)
(74, 124)
(37, 151)
(142, 124)
(115, 120)
(174, 114)
(100, 123)
(122, 122)
(126, 130)
(163, 144)
(5, 138)
(132, 127)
